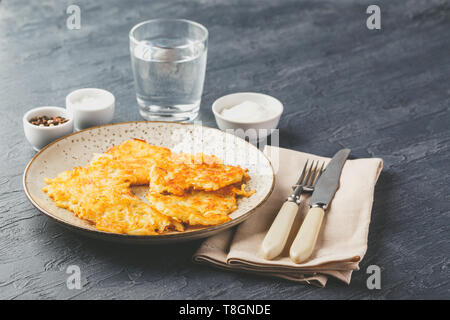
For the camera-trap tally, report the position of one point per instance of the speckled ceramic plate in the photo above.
(77, 149)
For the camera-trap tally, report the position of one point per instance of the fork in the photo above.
(276, 237)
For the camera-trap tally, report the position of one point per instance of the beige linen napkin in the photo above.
(342, 241)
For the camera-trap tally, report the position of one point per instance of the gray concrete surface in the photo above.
(383, 93)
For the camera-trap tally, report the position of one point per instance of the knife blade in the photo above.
(329, 181)
(305, 241)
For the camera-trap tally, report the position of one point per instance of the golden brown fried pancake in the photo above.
(101, 194)
(196, 207)
(184, 172)
(139, 156)
(199, 207)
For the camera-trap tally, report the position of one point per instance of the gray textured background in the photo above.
(382, 93)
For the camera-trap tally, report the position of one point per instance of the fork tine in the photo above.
(319, 174)
(303, 174)
(313, 175)
(308, 175)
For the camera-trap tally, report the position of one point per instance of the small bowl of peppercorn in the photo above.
(42, 125)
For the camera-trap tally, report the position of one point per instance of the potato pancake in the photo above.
(199, 207)
(196, 207)
(184, 172)
(139, 156)
(100, 193)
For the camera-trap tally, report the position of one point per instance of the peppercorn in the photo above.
(45, 121)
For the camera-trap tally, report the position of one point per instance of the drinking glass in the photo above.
(168, 58)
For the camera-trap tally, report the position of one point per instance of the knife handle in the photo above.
(278, 233)
(305, 241)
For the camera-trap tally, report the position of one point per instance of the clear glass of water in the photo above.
(168, 58)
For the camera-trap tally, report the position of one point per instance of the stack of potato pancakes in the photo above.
(183, 190)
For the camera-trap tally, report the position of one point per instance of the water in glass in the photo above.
(169, 75)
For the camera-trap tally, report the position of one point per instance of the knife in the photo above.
(326, 186)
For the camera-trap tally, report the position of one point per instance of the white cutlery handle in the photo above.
(305, 241)
(278, 233)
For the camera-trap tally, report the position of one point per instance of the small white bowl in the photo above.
(39, 137)
(94, 115)
(260, 128)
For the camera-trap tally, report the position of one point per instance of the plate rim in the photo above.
(171, 236)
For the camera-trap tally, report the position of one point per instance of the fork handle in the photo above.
(305, 241)
(278, 233)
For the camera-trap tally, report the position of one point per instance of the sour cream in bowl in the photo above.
(248, 114)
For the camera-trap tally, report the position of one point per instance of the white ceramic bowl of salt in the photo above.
(248, 114)
(90, 107)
